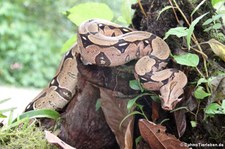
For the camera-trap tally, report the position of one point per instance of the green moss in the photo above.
(24, 137)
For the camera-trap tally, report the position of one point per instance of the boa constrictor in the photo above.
(106, 44)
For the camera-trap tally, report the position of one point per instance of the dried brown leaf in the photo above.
(115, 109)
(53, 139)
(156, 136)
(180, 119)
(218, 48)
(218, 88)
(129, 136)
(155, 111)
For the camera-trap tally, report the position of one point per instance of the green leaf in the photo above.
(132, 102)
(218, 16)
(217, 26)
(200, 93)
(193, 124)
(208, 21)
(156, 98)
(196, 8)
(208, 29)
(127, 12)
(69, 43)
(202, 80)
(191, 29)
(89, 10)
(214, 108)
(188, 59)
(138, 139)
(178, 31)
(134, 84)
(15, 124)
(130, 114)
(223, 106)
(97, 105)
(8, 109)
(4, 100)
(122, 20)
(213, 19)
(2, 115)
(164, 9)
(40, 113)
(215, 1)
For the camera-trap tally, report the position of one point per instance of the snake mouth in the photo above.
(167, 108)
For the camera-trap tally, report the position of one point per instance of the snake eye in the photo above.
(83, 37)
(100, 24)
(143, 79)
(146, 41)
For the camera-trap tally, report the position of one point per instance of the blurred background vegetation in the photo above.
(32, 34)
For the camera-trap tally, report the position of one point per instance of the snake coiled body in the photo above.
(107, 44)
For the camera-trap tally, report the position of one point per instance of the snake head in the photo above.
(170, 97)
(172, 91)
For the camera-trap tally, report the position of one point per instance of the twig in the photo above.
(175, 14)
(142, 9)
(200, 52)
(199, 72)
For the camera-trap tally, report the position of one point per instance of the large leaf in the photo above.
(156, 136)
(129, 135)
(178, 31)
(40, 113)
(200, 93)
(90, 10)
(188, 59)
(115, 112)
(180, 120)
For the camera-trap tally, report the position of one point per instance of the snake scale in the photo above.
(107, 44)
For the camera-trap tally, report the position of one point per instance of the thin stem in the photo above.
(200, 52)
(142, 9)
(183, 108)
(196, 114)
(206, 42)
(174, 12)
(199, 72)
(183, 15)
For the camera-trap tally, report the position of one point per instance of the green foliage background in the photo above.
(31, 34)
